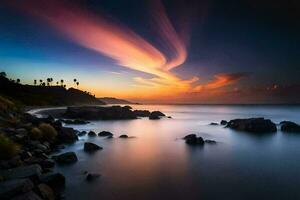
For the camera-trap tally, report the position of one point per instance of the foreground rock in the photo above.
(10, 188)
(67, 135)
(66, 158)
(253, 125)
(288, 126)
(192, 139)
(91, 147)
(56, 181)
(156, 115)
(30, 171)
(105, 134)
(92, 177)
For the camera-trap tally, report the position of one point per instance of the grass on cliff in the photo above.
(48, 132)
(8, 148)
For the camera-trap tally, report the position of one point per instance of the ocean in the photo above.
(157, 164)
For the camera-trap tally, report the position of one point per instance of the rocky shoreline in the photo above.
(26, 169)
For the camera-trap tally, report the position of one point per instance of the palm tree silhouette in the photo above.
(62, 82)
(18, 80)
(75, 80)
(41, 81)
(34, 82)
(77, 83)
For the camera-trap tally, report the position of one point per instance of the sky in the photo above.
(157, 51)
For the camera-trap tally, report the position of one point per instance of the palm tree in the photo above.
(62, 82)
(34, 82)
(18, 80)
(41, 81)
(57, 83)
(3, 74)
(77, 83)
(75, 80)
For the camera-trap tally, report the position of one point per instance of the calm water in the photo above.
(157, 164)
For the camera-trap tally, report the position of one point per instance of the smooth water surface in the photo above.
(157, 164)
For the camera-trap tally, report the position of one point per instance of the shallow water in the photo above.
(157, 164)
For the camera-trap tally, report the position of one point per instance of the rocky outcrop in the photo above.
(192, 139)
(67, 135)
(123, 136)
(105, 134)
(66, 158)
(288, 126)
(223, 122)
(142, 113)
(253, 125)
(91, 147)
(156, 115)
(213, 124)
(92, 134)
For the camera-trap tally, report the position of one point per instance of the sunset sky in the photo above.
(157, 51)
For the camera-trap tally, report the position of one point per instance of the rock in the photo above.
(22, 172)
(123, 136)
(48, 163)
(67, 135)
(11, 188)
(142, 113)
(91, 147)
(210, 141)
(223, 122)
(92, 134)
(99, 113)
(287, 126)
(46, 192)
(56, 181)
(189, 136)
(128, 107)
(27, 196)
(66, 158)
(110, 137)
(213, 124)
(253, 125)
(82, 133)
(11, 163)
(156, 115)
(92, 177)
(192, 139)
(42, 147)
(105, 134)
(169, 117)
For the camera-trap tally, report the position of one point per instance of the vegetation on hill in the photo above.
(111, 100)
(42, 95)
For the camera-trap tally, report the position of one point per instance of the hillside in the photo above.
(44, 95)
(112, 100)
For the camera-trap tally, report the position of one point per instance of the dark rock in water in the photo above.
(189, 136)
(213, 124)
(55, 180)
(288, 126)
(66, 158)
(192, 139)
(105, 134)
(27, 196)
(223, 122)
(156, 115)
(91, 147)
(99, 113)
(30, 171)
(123, 136)
(254, 125)
(11, 188)
(92, 177)
(142, 113)
(128, 107)
(210, 141)
(169, 117)
(46, 192)
(92, 134)
(67, 135)
(82, 133)
(109, 137)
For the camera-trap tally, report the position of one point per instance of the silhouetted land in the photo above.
(30, 95)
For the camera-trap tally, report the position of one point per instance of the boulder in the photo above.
(92, 177)
(123, 136)
(30, 171)
(223, 122)
(46, 192)
(156, 115)
(213, 124)
(82, 133)
(56, 181)
(11, 188)
(253, 125)
(192, 139)
(288, 126)
(66, 158)
(92, 134)
(67, 135)
(91, 147)
(105, 134)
